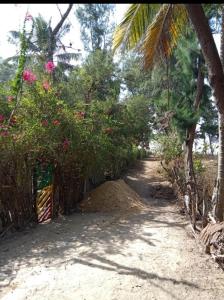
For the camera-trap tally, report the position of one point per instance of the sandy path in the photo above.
(109, 257)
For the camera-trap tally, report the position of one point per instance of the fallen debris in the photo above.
(212, 237)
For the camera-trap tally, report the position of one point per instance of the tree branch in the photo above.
(58, 26)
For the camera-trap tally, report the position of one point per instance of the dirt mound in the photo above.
(112, 196)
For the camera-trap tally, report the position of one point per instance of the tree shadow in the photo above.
(96, 232)
(149, 184)
(109, 265)
(93, 236)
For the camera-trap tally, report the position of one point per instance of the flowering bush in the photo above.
(49, 67)
(29, 76)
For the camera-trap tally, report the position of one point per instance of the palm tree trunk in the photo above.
(218, 194)
(210, 52)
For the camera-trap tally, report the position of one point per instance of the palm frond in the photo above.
(66, 57)
(161, 36)
(132, 28)
(63, 66)
(14, 37)
(42, 32)
(12, 59)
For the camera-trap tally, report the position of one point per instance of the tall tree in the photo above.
(96, 79)
(46, 44)
(7, 70)
(218, 195)
(155, 29)
(95, 24)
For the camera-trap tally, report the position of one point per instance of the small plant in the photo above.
(169, 147)
(198, 166)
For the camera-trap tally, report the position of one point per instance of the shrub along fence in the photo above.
(21, 181)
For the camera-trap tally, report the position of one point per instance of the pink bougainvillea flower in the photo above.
(29, 76)
(46, 85)
(4, 133)
(44, 122)
(56, 122)
(66, 144)
(49, 66)
(2, 118)
(80, 114)
(28, 17)
(10, 98)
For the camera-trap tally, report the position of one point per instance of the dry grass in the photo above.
(208, 176)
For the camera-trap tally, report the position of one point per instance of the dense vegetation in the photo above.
(85, 121)
(63, 117)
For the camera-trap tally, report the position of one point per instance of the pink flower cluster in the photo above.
(80, 114)
(49, 66)
(29, 76)
(56, 122)
(2, 118)
(4, 130)
(4, 133)
(45, 122)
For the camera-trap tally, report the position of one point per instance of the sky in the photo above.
(12, 16)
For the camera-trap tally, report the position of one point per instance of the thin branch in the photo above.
(59, 10)
(58, 26)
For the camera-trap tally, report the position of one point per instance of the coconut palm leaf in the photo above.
(14, 37)
(131, 29)
(66, 57)
(42, 33)
(161, 36)
(152, 28)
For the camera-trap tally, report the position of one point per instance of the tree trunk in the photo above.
(210, 144)
(54, 32)
(189, 173)
(218, 194)
(210, 52)
(191, 184)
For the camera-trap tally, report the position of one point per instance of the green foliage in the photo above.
(7, 70)
(137, 81)
(139, 115)
(95, 25)
(44, 44)
(96, 79)
(169, 147)
(198, 165)
(17, 82)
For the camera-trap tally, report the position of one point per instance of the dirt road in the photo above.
(147, 255)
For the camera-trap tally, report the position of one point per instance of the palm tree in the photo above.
(46, 44)
(154, 29)
(218, 194)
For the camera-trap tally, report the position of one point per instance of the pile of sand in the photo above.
(112, 196)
